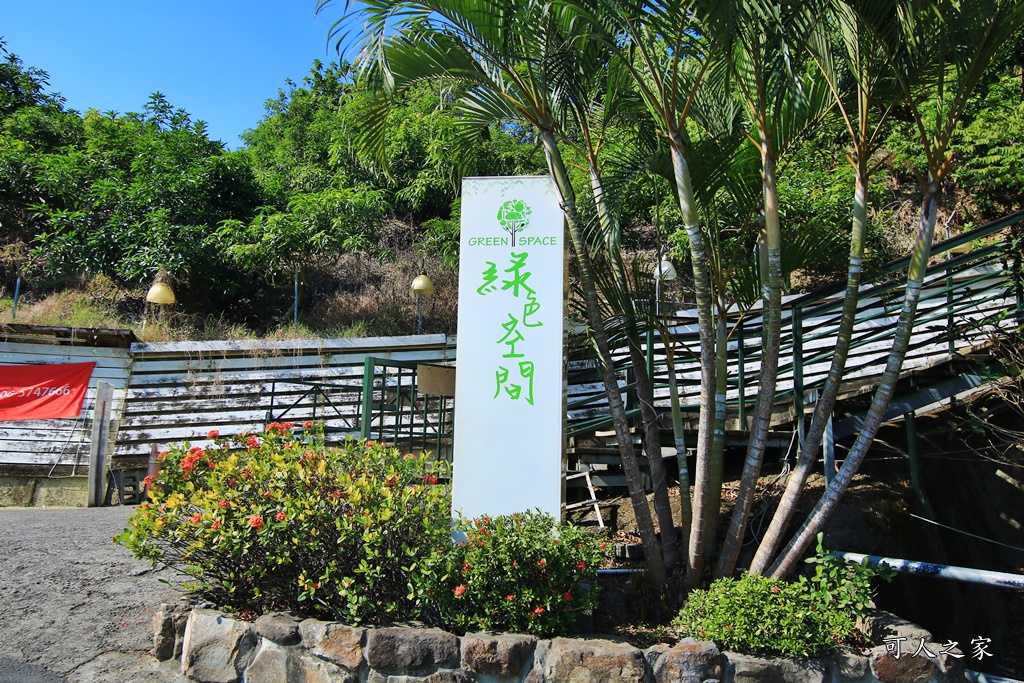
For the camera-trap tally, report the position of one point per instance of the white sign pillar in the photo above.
(510, 385)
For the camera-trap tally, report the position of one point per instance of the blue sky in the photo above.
(220, 60)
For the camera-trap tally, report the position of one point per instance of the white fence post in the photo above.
(98, 449)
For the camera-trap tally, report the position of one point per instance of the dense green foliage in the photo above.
(140, 193)
(761, 615)
(521, 573)
(128, 194)
(280, 521)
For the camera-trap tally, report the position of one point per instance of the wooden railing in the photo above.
(968, 296)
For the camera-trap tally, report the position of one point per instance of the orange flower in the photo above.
(256, 522)
(510, 597)
(307, 424)
(196, 518)
(222, 503)
(215, 525)
(280, 516)
(212, 434)
(539, 611)
(567, 596)
(459, 590)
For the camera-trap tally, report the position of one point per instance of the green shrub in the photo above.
(845, 586)
(766, 616)
(279, 521)
(522, 573)
(762, 616)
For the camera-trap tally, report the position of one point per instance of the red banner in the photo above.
(39, 392)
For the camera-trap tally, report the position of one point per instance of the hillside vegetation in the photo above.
(93, 205)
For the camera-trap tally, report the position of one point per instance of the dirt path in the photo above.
(74, 605)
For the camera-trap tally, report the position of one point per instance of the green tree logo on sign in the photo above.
(514, 216)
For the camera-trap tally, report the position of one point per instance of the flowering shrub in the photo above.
(520, 573)
(279, 521)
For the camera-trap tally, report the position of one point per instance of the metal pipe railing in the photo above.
(938, 571)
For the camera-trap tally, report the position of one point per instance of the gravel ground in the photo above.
(74, 606)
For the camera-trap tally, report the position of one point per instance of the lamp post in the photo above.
(422, 286)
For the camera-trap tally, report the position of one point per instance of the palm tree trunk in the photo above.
(712, 473)
(652, 442)
(685, 511)
(826, 402)
(769, 370)
(883, 394)
(644, 383)
(637, 494)
(702, 501)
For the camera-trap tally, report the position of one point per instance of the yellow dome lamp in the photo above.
(422, 286)
(160, 293)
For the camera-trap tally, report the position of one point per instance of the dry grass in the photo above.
(374, 299)
(64, 309)
(355, 297)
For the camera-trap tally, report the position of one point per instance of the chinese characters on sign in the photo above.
(515, 327)
(509, 394)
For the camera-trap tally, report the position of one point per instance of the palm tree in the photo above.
(874, 96)
(952, 43)
(782, 100)
(667, 48)
(509, 59)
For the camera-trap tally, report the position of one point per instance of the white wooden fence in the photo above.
(178, 391)
(61, 441)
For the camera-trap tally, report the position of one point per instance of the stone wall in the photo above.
(283, 647)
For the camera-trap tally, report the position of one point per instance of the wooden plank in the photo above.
(51, 351)
(215, 391)
(251, 403)
(345, 364)
(130, 421)
(117, 376)
(41, 459)
(114, 369)
(369, 344)
(47, 448)
(248, 364)
(27, 430)
(98, 443)
(141, 448)
(197, 432)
